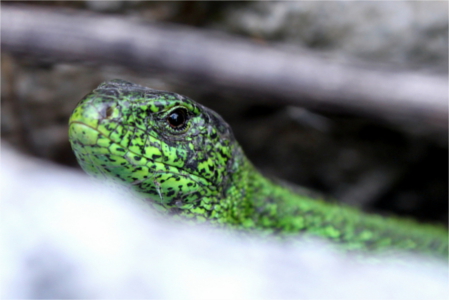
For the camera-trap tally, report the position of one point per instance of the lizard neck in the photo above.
(256, 202)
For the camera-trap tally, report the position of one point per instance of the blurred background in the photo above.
(390, 165)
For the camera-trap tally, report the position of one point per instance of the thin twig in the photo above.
(226, 62)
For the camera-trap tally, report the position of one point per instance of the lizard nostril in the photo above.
(106, 112)
(109, 111)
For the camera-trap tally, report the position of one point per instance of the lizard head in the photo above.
(165, 145)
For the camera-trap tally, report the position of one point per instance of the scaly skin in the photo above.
(184, 157)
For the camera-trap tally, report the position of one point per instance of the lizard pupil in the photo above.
(177, 118)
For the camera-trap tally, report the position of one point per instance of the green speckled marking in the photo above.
(120, 131)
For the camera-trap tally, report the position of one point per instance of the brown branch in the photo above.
(225, 62)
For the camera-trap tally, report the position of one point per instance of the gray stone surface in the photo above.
(409, 34)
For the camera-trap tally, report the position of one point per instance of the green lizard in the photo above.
(184, 157)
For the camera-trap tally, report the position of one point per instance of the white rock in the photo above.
(62, 236)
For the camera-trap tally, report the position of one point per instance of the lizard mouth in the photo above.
(101, 156)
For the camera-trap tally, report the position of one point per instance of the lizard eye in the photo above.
(177, 119)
